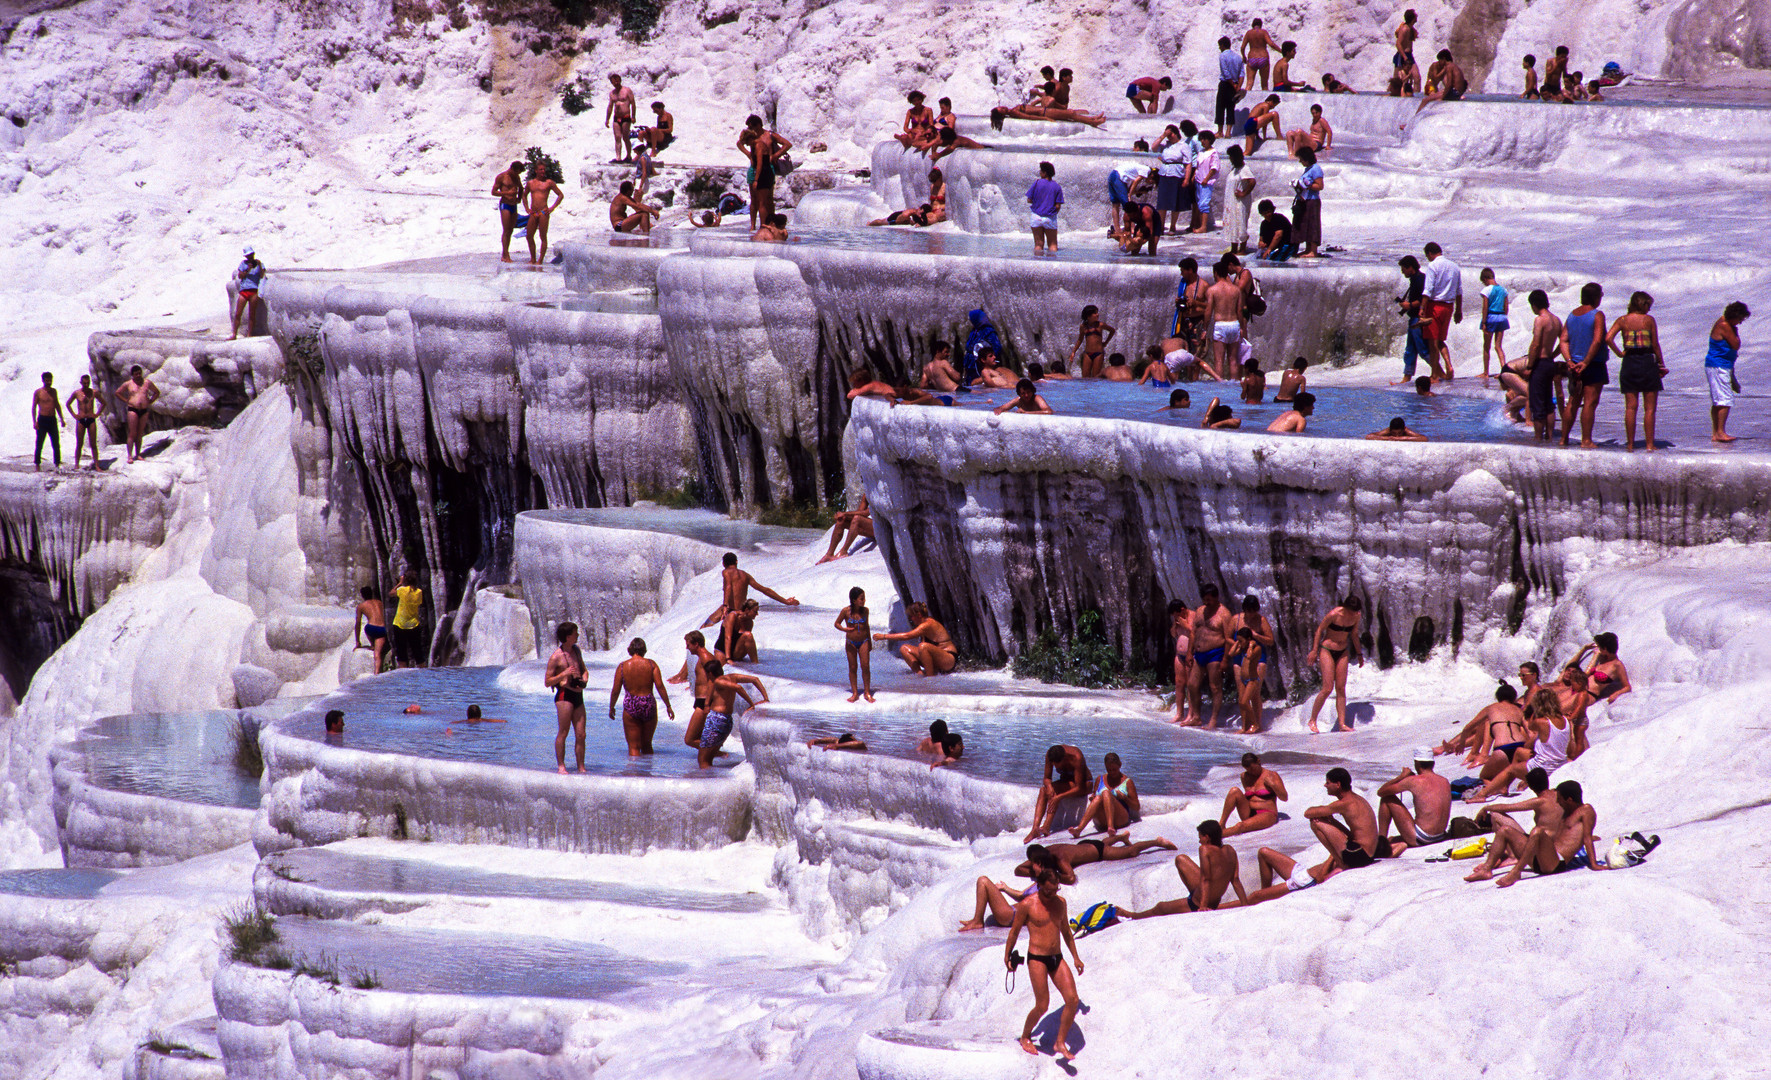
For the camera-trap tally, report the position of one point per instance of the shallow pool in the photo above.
(375, 720)
(345, 872)
(78, 883)
(1009, 747)
(184, 756)
(703, 525)
(452, 962)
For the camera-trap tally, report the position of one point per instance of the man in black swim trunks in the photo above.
(1355, 842)
(1214, 874)
(698, 655)
(566, 677)
(84, 407)
(1047, 919)
(137, 395)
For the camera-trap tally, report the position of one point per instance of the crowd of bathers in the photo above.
(1508, 745)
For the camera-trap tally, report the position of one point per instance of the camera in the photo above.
(1015, 960)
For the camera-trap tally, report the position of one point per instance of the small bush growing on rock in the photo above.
(542, 165)
(704, 189)
(578, 96)
(251, 932)
(1088, 659)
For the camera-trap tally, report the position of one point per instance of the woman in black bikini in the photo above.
(1256, 802)
(1335, 647)
(1508, 738)
(566, 677)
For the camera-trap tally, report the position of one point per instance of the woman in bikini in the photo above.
(1640, 371)
(1114, 804)
(852, 621)
(1335, 647)
(1092, 338)
(1248, 659)
(566, 677)
(1256, 802)
(1607, 679)
(1508, 739)
(937, 197)
(934, 652)
(1180, 627)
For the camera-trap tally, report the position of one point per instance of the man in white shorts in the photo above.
(1044, 200)
(1223, 309)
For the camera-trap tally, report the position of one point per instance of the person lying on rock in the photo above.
(1027, 399)
(845, 741)
(1207, 880)
(1065, 858)
(863, 384)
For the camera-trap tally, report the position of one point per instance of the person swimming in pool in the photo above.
(1177, 399)
(952, 748)
(1220, 417)
(852, 621)
(1297, 418)
(475, 716)
(1211, 639)
(639, 676)
(1256, 802)
(1114, 805)
(567, 677)
(1398, 431)
(1335, 646)
(845, 741)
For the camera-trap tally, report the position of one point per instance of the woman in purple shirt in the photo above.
(1044, 199)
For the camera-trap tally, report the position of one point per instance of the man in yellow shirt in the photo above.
(409, 648)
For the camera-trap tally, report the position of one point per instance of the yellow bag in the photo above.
(1475, 849)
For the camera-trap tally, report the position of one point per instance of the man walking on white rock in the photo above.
(619, 118)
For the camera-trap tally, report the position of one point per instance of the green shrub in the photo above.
(640, 17)
(541, 164)
(1087, 659)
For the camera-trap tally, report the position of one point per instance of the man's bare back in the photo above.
(1223, 301)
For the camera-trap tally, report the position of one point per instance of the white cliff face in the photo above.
(986, 517)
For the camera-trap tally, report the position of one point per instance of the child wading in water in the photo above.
(852, 621)
(1495, 303)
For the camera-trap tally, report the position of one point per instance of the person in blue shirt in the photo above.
(248, 276)
(1044, 200)
(1230, 69)
(1718, 367)
(1307, 212)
